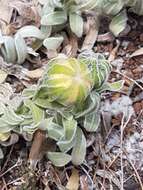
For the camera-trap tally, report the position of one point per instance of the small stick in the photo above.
(113, 52)
(112, 162)
(136, 172)
(8, 158)
(18, 163)
(122, 127)
(129, 79)
(5, 185)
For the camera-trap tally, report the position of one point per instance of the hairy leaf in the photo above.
(21, 48)
(92, 104)
(76, 24)
(53, 42)
(137, 7)
(37, 113)
(59, 159)
(8, 49)
(92, 121)
(115, 86)
(88, 4)
(118, 23)
(67, 142)
(54, 130)
(79, 149)
(54, 18)
(1, 154)
(31, 31)
(112, 7)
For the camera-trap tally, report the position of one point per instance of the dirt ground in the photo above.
(115, 152)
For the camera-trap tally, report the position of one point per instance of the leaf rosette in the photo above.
(66, 100)
(67, 81)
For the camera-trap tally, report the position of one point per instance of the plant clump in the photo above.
(65, 101)
(57, 15)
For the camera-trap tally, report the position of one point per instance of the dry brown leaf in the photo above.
(110, 176)
(26, 10)
(3, 76)
(92, 33)
(5, 10)
(73, 183)
(107, 37)
(137, 52)
(12, 140)
(84, 182)
(51, 53)
(114, 52)
(71, 47)
(36, 149)
(35, 74)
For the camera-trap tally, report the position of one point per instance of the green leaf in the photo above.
(29, 92)
(93, 104)
(5, 127)
(31, 31)
(79, 149)
(10, 117)
(54, 18)
(27, 122)
(76, 24)
(54, 130)
(130, 3)
(45, 103)
(30, 129)
(99, 66)
(59, 159)
(9, 51)
(1, 154)
(37, 113)
(46, 9)
(112, 7)
(42, 2)
(46, 30)
(2, 108)
(136, 7)
(56, 3)
(21, 48)
(88, 4)
(70, 127)
(92, 121)
(118, 23)
(53, 42)
(3, 76)
(115, 86)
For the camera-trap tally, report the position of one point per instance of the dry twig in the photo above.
(135, 170)
(122, 128)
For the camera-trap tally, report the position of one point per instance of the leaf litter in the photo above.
(102, 167)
